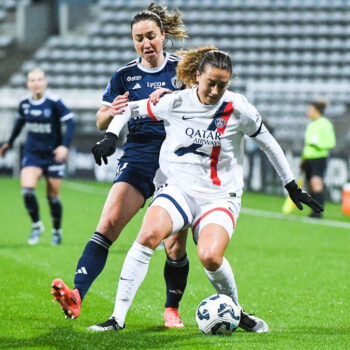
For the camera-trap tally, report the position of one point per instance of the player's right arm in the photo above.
(20, 121)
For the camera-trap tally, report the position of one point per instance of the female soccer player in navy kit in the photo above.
(44, 152)
(133, 183)
(202, 158)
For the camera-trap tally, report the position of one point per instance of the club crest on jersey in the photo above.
(220, 122)
(47, 112)
(176, 82)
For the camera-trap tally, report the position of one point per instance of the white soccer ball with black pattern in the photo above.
(218, 314)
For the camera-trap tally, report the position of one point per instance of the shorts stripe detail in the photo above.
(171, 199)
(210, 211)
(149, 111)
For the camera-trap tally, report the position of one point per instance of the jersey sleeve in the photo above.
(160, 111)
(327, 138)
(113, 89)
(20, 113)
(250, 121)
(275, 154)
(64, 112)
(143, 109)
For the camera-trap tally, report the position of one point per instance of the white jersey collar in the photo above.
(153, 70)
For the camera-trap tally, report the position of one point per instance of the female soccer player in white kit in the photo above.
(202, 158)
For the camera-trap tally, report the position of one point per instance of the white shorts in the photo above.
(186, 211)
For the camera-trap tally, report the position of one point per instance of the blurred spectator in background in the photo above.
(319, 139)
(45, 150)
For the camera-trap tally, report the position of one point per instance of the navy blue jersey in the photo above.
(145, 136)
(43, 119)
(141, 82)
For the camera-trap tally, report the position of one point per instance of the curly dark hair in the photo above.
(196, 60)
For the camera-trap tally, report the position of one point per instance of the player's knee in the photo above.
(150, 237)
(210, 260)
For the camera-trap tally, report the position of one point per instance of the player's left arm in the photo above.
(67, 117)
(252, 125)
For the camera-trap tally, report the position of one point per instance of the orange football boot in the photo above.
(68, 299)
(172, 318)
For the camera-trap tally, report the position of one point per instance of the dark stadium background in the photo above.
(285, 54)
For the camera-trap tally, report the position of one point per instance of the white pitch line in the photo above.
(248, 211)
(85, 188)
(280, 216)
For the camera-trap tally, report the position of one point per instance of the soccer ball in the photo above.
(218, 314)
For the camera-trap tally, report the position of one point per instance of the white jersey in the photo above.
(204, 146)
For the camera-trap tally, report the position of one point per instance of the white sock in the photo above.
(223, 280)
(133, 273)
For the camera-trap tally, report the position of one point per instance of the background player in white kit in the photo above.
(202, 157)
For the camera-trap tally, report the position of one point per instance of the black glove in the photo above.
(104, 148)
(299, 196)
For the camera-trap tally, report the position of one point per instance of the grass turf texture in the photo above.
(293, 274)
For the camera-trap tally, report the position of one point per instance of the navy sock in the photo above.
(31, 203)
(56, 212)
(175, 275)
(91, 262)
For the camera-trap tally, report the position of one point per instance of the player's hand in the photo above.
(299, 196)
(60, 153)
(157, 94)
(104, 148)
(119, 104)
(4, 148)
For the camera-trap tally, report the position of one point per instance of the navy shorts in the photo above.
(315, 167)
(139, 175)
(46, 162)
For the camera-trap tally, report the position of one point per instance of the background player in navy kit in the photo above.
(44, 152)
(137, 167)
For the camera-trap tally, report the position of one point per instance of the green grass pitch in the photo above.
(293, 273)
